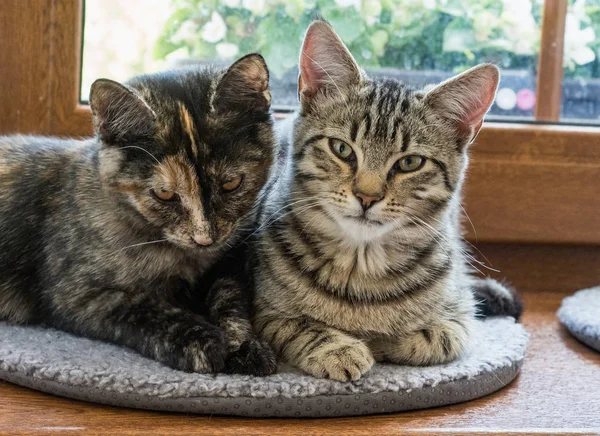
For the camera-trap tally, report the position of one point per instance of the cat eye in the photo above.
(341, 149)
(232, 184)
(165, 195)
(410, 163)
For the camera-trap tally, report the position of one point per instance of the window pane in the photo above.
(119, 39)
(418, 41)
(581, 84)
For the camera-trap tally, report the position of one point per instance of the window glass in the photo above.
(581, 83)
(418, 41)
(119, 38)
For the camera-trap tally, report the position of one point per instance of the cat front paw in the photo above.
(433, 345)
(204, 350)
(342, 360)
(253, 357)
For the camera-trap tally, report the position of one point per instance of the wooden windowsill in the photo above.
(557, 392)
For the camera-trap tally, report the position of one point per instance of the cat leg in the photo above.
(153, 327)
(437, 343)
(229, 305)
(315, 348)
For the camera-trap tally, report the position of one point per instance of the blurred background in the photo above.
(419, 41)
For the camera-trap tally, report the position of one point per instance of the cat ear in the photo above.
(245, 86)
(325, 63)
(119, 113)
(466, 98)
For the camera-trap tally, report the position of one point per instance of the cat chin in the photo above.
(360, 230)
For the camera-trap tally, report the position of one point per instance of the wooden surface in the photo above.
(555, 268)
(557, 392)
(533, 183)
(40, 61)
(70, 118)
(550, 62)
(25, 79)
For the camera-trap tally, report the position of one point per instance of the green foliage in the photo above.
(448, 35)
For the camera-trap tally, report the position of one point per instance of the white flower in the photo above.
(576, 50)
(524, 41)
(518, 6)
(578, 9)
(255, 6)
(483, 23)
(176, 55)
(227, 50)
(215, 30)
(429, 4)
(518, 12)
(231, 3)
(371, 10)
(348, 3)
(456, 40)
(187, 32)
(519, 26)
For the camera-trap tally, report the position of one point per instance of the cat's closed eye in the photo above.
(408, 164)
(163, 194)
(232, 184)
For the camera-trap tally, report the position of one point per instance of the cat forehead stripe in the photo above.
(188, 126)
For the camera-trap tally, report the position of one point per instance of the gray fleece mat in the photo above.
(580, 313)
(80, 368)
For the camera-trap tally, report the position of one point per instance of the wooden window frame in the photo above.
(528, 183)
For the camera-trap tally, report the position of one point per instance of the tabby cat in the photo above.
(360, 256)
(133, 237)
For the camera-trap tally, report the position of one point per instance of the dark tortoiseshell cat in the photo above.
(133, 237)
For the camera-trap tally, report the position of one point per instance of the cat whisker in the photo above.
(469, 218)
(137, 245)
(465, 259)
(272, 219)
(465, 254)
(290, 204)
(298, 210)
(480, 253)
(462, 251)
(141, 148)
(304, 229)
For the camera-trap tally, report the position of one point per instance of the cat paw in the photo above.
(205, 350)
(254, 358)
(433, 345)
(343, 361)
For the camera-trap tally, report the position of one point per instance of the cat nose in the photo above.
(202, 240)
(367, 200)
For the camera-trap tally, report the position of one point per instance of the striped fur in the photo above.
(337, 287)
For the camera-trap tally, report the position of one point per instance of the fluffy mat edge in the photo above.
(319, 406)
(580, 314)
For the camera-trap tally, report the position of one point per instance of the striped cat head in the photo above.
(187, 152)
(376, 153)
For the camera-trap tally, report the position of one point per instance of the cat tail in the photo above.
(496, 299)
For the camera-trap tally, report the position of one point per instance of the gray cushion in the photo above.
(62, 364)
(580, 313)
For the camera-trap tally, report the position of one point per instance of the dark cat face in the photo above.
(187, 151)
